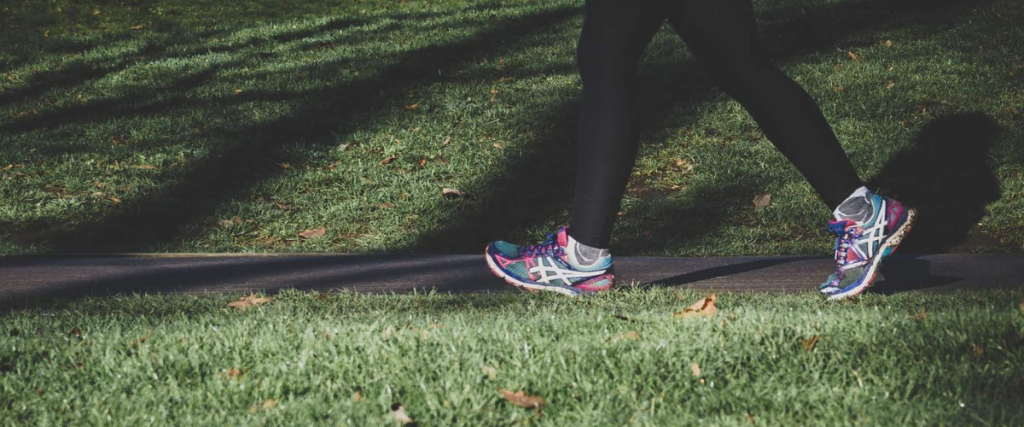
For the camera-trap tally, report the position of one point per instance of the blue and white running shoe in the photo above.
(860, 247)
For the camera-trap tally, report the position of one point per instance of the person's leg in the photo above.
(615, 33)
(722, 35)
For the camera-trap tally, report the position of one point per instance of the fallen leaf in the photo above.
(249, 301)
(853, 56)
(388, 331)
(398, 412)
(631, 336)
(1022, 306)
(423, 162)
(447, 141)
(921, 315)
(75, 331)
(498, 146)
(762, 200)
(808, 344)
(46, 33)
(890, 85)
(313, 233)
(96, 12)
(357, 396)
(233, 373)
(704, 307)
(342, 147)
(521, 399)
(389, 159)
(412, 107)
(142, 339)
(452, 193)
(138, 27)
(888, 43)
(282, 206)
(238, 91)
(269, 404)
(978, 350)
(226, 223)
(491, 372)
(284, 165)
(695, 368)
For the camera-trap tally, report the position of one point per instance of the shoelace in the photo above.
(844, 240)
(548, 247)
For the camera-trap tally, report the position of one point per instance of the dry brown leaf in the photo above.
(631, 336)
(853, 56)
(422, 162)
(114, 200)
(142, 339)
(452, 193)
(282, 206)
(343, 147)
(921, 315)
(313, 233)
(762, 200)
(75, 331)
(695, 368)
(888, 43)
(1022, 306)
(269, 404)
(357, 396)
(398, 412)
(96, 12)
(498, 146)
(388, 331)
(412, 107)
(284, 165)
(138, 27)
(977, 349)
(249, 301)
(389, 159)
(521, 399)
(491, 372)
(808, 344)
(890, 85)
(233, 373)
(447, 141)
(237, 91)
(704, 307)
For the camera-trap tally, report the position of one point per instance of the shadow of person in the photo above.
(947, 177)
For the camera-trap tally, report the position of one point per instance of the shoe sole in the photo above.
(532, 287)
(893, 242)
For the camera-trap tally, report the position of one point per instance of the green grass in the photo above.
(218, 127)
(164, 360)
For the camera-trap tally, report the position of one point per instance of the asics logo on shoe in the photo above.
(547, 270)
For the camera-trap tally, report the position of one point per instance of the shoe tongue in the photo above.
(563, 237)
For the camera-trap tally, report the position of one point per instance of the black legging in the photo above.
(721, 34)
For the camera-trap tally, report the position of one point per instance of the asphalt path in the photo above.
(76, 275)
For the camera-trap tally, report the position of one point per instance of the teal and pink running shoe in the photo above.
(546, 267)
(860, 248)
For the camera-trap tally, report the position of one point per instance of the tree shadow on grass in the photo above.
(254, 152)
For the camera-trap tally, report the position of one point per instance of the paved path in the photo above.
(65, 275)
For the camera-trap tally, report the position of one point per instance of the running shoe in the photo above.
(861, 247)
(546, 267)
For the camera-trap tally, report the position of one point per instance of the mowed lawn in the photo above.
(622, 358)
(249, 126)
